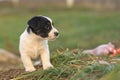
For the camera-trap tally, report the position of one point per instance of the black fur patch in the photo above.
(40, 26)
(28, 29)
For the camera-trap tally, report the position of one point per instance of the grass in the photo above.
(78, 29)
(113, 75)
(70, 66)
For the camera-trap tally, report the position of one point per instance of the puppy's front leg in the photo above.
(45, 57)
(27, 63)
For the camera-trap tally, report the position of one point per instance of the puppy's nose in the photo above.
(56, 33)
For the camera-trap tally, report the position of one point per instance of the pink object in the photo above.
(103, 49)
(118, 50)
(115, 53)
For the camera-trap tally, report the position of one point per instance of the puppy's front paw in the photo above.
(47, 66)
(30, 69)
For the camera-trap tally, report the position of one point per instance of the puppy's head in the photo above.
(43, 26)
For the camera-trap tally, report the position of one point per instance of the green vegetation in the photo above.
(113, 75)
(78, 29)
(70, 66)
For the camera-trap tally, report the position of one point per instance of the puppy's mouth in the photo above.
(53, 39)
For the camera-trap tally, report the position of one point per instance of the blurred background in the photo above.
(82, 23)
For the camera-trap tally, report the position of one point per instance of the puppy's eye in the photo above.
(48, 23)
(47, 27)
(38, 31)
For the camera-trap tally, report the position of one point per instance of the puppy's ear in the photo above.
(33, 22)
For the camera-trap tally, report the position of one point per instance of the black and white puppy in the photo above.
(34, 42)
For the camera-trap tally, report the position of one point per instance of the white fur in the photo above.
(51, 34)
(32, 46)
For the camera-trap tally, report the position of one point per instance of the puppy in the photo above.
(34, 42)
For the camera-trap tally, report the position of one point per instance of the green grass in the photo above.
(78, 29)
(113, 75)
(70, 66)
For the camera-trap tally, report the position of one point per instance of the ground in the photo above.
(69, 65)
(12, 73)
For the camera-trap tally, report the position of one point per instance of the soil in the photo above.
(14, 72)
(10, 74)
